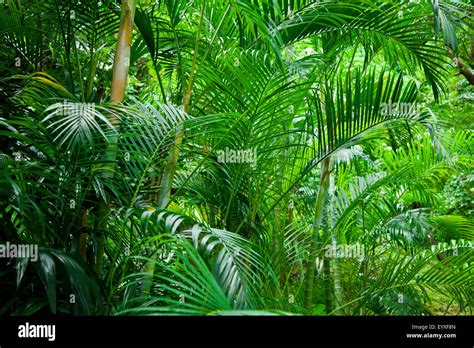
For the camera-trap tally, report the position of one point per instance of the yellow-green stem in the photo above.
(309, 279)
(119, 82)
(170, 170)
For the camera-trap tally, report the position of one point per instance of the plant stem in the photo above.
(170, 170)
(119, 82)
(122, 54)
(83, 236)
(328, 283)
(309, 279)
(336, 287)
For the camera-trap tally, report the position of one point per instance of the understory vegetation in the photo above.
(237, 157)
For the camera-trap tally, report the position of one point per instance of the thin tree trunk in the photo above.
(90, 77)
(333, 262)
(337, 281)
(309, 279)
(328, 283)
(170, 170)
(122, 54)
(328, 259)
(278, 228)
(288, 222)
(83, 236)
(119, 82)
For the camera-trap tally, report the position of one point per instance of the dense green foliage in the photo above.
(256, 140)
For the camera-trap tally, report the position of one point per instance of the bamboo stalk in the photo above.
(309, 279)
(84, 235)
(328, 283)
(122, 54)
(333, 262)
(279, 228)
(338, 294)
(119, 82)
(170, 170)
